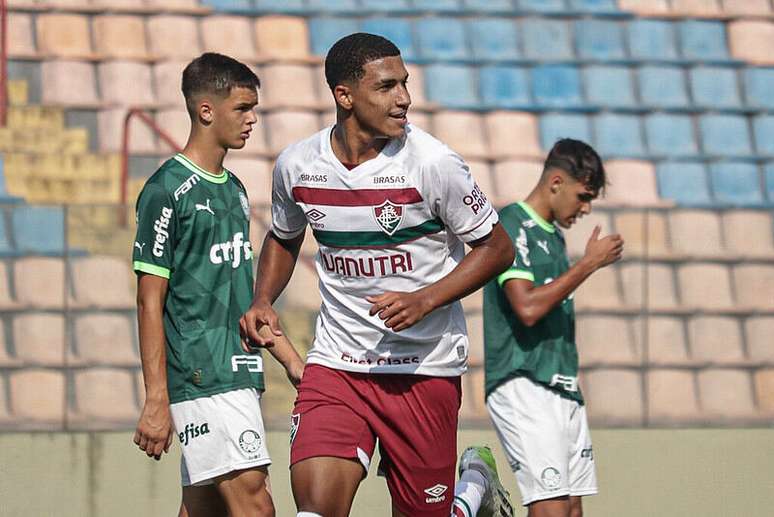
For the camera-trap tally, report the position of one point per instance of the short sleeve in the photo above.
(458, 201)
(287, 218)
(153, 250)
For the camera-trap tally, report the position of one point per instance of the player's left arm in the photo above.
(282, 349)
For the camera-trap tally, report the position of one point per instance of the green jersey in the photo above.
(193, 229)
(545, 352)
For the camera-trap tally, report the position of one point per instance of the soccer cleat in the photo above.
(496, 502)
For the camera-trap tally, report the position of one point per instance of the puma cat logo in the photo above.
(206, 207)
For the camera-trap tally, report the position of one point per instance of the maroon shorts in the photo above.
(414, 417)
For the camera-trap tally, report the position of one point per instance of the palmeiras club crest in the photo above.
(388, 216)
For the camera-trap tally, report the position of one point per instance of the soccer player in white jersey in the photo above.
(194, 264)
(391, 208)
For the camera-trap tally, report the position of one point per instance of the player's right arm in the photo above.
(531, 303)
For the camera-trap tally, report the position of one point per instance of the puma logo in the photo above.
(139, 246)
(544, 245)
(206, 207)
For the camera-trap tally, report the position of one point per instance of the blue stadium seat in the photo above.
(715, 87)
(324, 32)
(283, 6)
(453, 86)
(768, 170)
(594, 6)
(663, 87)
(441, 39)
(703, 41)
(670, 135)
(541, 6)
(229, 6)
(546, 39)
(652, 40)
(493, 39)
(489, 6)
(397, 30)
(736, 183)
(725, 135)
(618, 135)
(556, 86)
(684, 182)
(554, 126)
(599, 40)
(441, 6)
(757, 87)
(763, 129)
(38, 229)
(6, 247)
(504, 87)
(609, 86)
(387, 6)
(332, 6)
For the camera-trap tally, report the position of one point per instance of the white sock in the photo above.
(308, 514)
(469, 492)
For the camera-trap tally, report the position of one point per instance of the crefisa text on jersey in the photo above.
(160, 226)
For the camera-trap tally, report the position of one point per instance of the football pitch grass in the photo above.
(659, 472)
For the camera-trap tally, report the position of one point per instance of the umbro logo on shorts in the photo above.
(436, 493)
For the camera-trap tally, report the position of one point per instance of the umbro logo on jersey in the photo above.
(231, 251)
(160, 226)
(544, 245)
(206, 207)
(187, 185)
(529, 223)
(139, 246)
(388, 216)
(436, 493)
(314, 215)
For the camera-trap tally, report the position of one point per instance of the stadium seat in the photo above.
(110, 122)
(488, 6)
(120, 36)
(21, 40)
(282, 37)
(504, 87)
(282, 6)
(663, 87)
(418, 119)
(602, 290)
(37, 397)
(388, 6)
(599, 40)
(397, 30)
(581, 231)
(174, 36)
(593, 6)
(645, 233)
(726, 395)
(631, 182)
(652, 40)
(750, 41)
(672, 397)
(609, 87)
(595, 347)
(482, 174)
(759, 330)
(546, 39)
(768, 171)
(331, 6)
(69, 83)
(696, 233)
(7, 300)
(64, 35)
(230, 35)
(716, 340)
(512, 134)
(255, 174)
(40, 338)
(618, 135)
(661, 292)
(746, 7)
(416, 87)
(542, 6)
(286, 127)
(697, 8)
(670, 135)
(325, 32)
(705, 286)
(715, 88)
(740, 225)
(492, 39)
(463, 131)
(763, 129)
(613, 396)
(736, 183)
(105, 339)
(229, 6)
(684, 182)
(754, 286)
(5, 411)
(554, 126)
(514, 180)
(441, 39)
(177, 124)
(104, 398)
(126, 83)
(102, 281)
(645, 7)
(666, 345)
(166, 80)
(703, 40)
(441, 6)
(764, 390)
(556, 86)
(38, 229)
(289, 86)
(452, 86)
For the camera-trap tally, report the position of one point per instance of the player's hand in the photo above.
(295, 371)
(154, 429)
(603, 252)
(399, 310)
(259, 314)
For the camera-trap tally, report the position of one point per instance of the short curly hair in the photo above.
(345, 59)
(579, 160)
(215, 73)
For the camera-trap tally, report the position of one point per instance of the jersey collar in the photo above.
(188, 164)
(535, 217)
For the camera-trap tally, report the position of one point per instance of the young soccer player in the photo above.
(391, 209)
(194, 264)
(529, 331)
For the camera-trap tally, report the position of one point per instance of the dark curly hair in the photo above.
(580, 161)
(345, 59)
(215, 73)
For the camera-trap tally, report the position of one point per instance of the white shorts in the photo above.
(546, 439)
(220, 434)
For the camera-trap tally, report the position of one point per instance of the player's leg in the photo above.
(246, 492)
(479, 491)
(583, 475)
(202, 501)
(557, 507)
(576, 506)
(325, 485)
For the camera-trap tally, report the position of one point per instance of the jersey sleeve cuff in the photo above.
(515, 273)
(482, 229)
(287, 235)
(151, 269)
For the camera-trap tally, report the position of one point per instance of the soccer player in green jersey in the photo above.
(193, 259)
(529, 331)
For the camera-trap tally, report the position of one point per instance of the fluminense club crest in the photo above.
(388, 216)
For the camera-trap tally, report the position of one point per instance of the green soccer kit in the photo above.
(193, 228)
(545, 352)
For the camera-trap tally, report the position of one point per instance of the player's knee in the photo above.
(576, 510)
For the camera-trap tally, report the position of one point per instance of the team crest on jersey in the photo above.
(388, 216)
